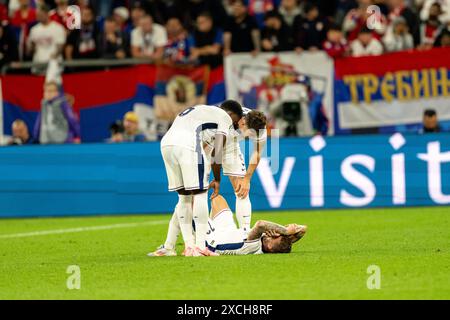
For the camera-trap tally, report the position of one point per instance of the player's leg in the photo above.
(195, 171)
(168, 249)
(184, 215)
(234, 168)
(218, 204)
(172, 156)
(243, 207)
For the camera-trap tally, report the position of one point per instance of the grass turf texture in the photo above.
(411, 246)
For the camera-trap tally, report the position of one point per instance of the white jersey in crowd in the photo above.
(186, 130)
(148, 42)
(47, 39)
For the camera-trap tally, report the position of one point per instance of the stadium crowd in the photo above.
(203, 31)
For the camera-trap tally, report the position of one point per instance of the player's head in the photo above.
(253, 123)
(234, 110)
(280, 244)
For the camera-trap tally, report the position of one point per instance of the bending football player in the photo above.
(253, 126)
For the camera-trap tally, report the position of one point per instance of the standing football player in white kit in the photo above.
(253, 126)
(188, 168)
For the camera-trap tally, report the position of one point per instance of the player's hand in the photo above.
(243, 188)
(292, 229)
(216, 187)
(272, 234)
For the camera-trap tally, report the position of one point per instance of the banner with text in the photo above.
(317, 173)
(390, 93)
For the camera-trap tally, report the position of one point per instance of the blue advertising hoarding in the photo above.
(316, 173)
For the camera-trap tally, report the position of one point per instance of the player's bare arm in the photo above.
(243, 185)
(216, 163)
(254, 126)
(262, 227)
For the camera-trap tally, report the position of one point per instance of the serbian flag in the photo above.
(102, 97)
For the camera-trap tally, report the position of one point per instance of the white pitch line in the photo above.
(82, 229)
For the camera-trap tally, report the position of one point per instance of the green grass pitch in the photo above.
(411, 247)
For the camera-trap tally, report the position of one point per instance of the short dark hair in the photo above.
(256, 120)
(232, 106)
(44, 7)
(273, 14)
(309, 6)
(205, 14)
(366, 30)
(429, 113)
(334, 27)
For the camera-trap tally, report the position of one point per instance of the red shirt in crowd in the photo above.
(60, 18)
(3, 13)
(24, 20)
(336, 49)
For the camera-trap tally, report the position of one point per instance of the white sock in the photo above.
(184, 214)
(200, 211)
(173, 232)
(244, 213)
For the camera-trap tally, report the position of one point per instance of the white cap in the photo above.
(122, 12)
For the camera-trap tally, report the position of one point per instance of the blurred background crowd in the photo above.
(202, 31)
(194, 32)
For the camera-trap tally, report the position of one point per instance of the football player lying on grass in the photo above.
(225, 238)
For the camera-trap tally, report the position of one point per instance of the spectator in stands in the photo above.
(344, 7)
(430, 122)
(121, 16)
(137, 12)
(117, 130)
(25, 16)
(289, 10)
(430, 28)
(366, 44)
(398, 37)
(336, 46)
(189, 10)
(443, 40)
(56, 123)
(310, 31)
(148, 40)
(131, 128)
(47, 38)
(20, 134)
(356, 19)
(4, 17)
(114, 42)
(426, 10)
(61, 13)
(83, 43)
(22, 20)
(256, 8)
(206, 42)
(241, 31)
(275, 35)
(399, 8)
(8, 46)
(178, 46)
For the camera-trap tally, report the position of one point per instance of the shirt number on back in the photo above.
(186, 112)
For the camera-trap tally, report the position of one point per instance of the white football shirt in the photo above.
(187, 129)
